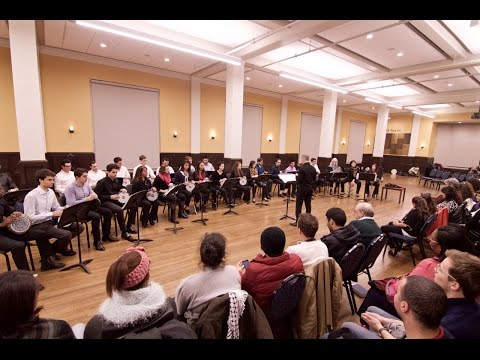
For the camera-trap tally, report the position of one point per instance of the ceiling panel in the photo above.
(442, 85)
(441, 75)
(468, 35)
(471, 103)
(387, 88)
(354, 28)
(386, 44)
(77, 38)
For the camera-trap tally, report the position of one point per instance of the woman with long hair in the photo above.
(200, 175)
(450, 194)
(184, 176)
(412, 222)
(149, 208)
(252, 174)
(163, 182)
(238, 173)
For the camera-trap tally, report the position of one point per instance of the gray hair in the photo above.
(366, 208)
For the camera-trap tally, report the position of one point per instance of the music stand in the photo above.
(262, 178)
(366, 177)
(288, 179)
(13, 197)
(174, 190)
(200, 187)
(339, 176)
(74, 214)
(228, 185)
(133, 203)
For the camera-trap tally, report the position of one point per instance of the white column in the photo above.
(381, 131)
(234, 111)
(338, 126)
(412, 150)
(195, 115)
(283, 126)
(327, 132)
(27, 89)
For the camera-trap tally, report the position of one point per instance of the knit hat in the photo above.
(272, 241)
(137, 275)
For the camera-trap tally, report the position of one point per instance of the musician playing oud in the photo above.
(140, 182)
(238, 173)
(200, 175)
(163, 182)
(216, 177)
(184, 176)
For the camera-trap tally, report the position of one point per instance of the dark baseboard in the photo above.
(27, 170)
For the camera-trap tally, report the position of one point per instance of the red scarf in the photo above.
(165, 177)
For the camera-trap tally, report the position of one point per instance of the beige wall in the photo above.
(272, 112)
(294, 123)
(400, 124)
(347, 117)
(66, 101)
(8, 133)
(212, 118)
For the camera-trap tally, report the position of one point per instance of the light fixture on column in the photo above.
(314, 82)
(175, 134)
(368, 143)
(422, 145)
(212, 136)
(269, 138)
(102, 25)
(71, 129)
(343, 142)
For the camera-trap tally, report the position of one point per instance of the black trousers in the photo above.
(94, 216)
(17, 248)
(118, 211)
(149, 212)
(304, 194)
(46, 230)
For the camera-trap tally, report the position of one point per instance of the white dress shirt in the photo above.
(151, 175)
(309, 251)
(316, 168)
(169, 170)
(123, 173)
(209, 167)
(62, 180)
(94, 176)
(40, 204)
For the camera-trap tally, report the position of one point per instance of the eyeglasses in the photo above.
(438, 268)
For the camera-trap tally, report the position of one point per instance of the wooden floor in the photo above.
(74, 295)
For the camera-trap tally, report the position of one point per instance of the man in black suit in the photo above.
(305, 185)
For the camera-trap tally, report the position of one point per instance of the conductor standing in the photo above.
(305, 185)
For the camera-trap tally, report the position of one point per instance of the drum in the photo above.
(123, 197)
(126, 181)
(243, 181)
(152, 195)
(190, 186)
(20, 225)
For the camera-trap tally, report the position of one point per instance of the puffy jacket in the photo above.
(341, 240)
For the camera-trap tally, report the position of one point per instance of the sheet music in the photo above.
(170, 190)
(287, 177)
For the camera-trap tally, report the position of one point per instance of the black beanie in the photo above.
(272, 241)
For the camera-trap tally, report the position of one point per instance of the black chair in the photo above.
(284, 300)
(350, 264)
(7, 259)
(371, 254)
(15, 196)
(63, 202)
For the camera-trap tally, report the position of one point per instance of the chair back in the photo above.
(351, 261)
(462, 177)
(287, 295)
(371, 253)
(428, 224)
(62, 200)
(129, 188)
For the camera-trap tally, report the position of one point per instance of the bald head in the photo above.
(363, 209)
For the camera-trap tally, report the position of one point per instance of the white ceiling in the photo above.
(335, 51)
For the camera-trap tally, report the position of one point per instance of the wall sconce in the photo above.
(175, 134)
(212, 136)
(71, 129)
(343, 142)
(368, 143)
(422, 146)
(269, 138)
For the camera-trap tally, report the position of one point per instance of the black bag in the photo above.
(459, 215)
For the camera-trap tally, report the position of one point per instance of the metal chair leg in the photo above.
(32, 264)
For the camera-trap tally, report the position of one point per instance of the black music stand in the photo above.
(229, 185)
(366, 177)
(133, 203)
(200, 187)
(13, 196)
(263, 178)
(288, 185)
(339, 176)
(75, 214)
(174, 190)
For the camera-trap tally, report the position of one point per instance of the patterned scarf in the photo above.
(237, 306)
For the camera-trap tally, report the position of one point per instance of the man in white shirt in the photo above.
(64, 177)
(309, 249)
(94, 174)
(143, 162)
(208, 165)
(168, 168)
(313, 161)
(123, 172)
(41, 206)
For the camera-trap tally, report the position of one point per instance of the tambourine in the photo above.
(243, 181)
(126, 181)
(20, 225)
(190, 186)
(123, 197)
(222, 181)
(152, 195)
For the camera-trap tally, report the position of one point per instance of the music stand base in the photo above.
(204, 221)
(138, 241)
(230, 211)
(262, 204)
(81, 264)
(286, 217)
(174, 229)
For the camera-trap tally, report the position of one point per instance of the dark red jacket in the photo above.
(263, 275)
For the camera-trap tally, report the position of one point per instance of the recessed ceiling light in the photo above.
(478, 101)
(400, 54)
(436, 76)
(389, 117)
(450, 84)
(373, 107)
(369, 36)
(166, 59)
(248, 78)
(459, 122)
(103, 45)
(280, 85)
(344, 101)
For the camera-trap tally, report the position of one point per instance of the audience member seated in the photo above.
(381, 292)
(365, 223)
(449, 196)
(341, 238)
(309, 249)
(19, 317)
(64, 177)
(265, 272)
(215, 279)
(421, 305)
(459, 275)
(94, 174)
(136, 307)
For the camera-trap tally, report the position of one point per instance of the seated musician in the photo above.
(252, 174)
(64, 177)
(320, 180)
(376, 184)
(352, 176)
(200, 175)
(261, 170)
(238, 173)
(218, 175)
(143, 162)
(184, 176)
(208, 165)
(332, 169)
(168, 168)
(6, 182)
(123, 172)
(163, 182)
(292, 169)
(275, 171)
(140, 182)
(94, 174)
